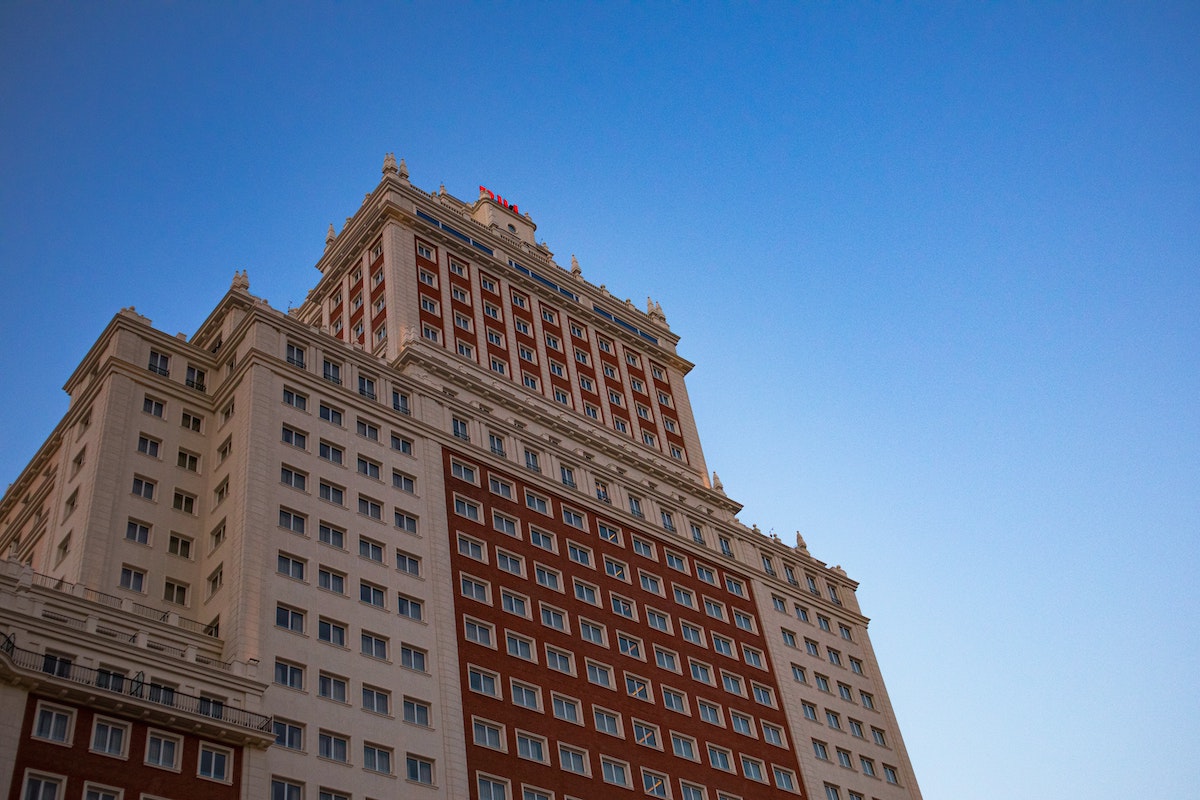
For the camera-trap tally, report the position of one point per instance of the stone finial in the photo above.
(403, 171)
(442, 189)
(800, 543)
(330, 236)
(756, 529)
(575, 270)
(656, 313)
(717, 485)
(389, 165)
(838, 569)
(241, 280)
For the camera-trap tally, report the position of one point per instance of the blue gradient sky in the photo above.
(938, 266)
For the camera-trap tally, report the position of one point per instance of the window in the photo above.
(845, 693)
(654, 783)
(159, 363)
(376, 699)
(370, 508)
(285, 790)
(719, 757)
(591, 632)
(701, 672)
(331, 452)
(416, 712)
(54, 724)
(572, 760)
(152, 406)
(333, 746)
(526, 696)
(549, 578)
(163, 750)
(374, 646)
(723, 645)
(629, 645)
(714, 609)
(658, 620)
(371, 594)
(666, 659)
(531, 747)
(331, 632)
(692, 634)
(133, 579)
(510, 562)
(637, 687)
(539, 538)
(490, 789)
(811, 647)
(889, 774)
(108, 736)
(559, 660)
(684, 596)
(289, 675)
(616, 569)
(466, 508)
(878, 736)
(565, 708)
(331, 581)
(175, 592)
(622, 606)
(599, 674)
(763, 695)
(418, 769)
(293, 478)
(487, 734)
(833, 720)
(820, 750)
(822, 683)
(289, 619)
(377, 759)
(332, 494)
(148, 446)
(810, 711)
(184, 501)
(505, 525)
(867, 700)
(519, 646)
(143, 487)
(331, 687)
(288, 734)
(408, 563)
(138, 532)
(856, 728)
(328, 534)
(411, 607)
(214, 763)
(413, 658)
(514, 603)
(651, 583)
(289, 566)
(295, 438)
(772, 734)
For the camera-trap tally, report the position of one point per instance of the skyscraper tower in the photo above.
(444, 530)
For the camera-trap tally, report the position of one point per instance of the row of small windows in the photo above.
(571, 758)
(616, 772)
(542, 504)
(135, 579)
(376, 758)
(332, 371)
(160, 364)
(845, 759)
(111, 737)
(810, 580)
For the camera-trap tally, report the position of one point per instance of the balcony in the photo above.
(62, 672)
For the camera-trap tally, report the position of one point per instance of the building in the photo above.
(444, 530)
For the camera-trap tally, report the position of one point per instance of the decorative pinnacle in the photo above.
(389, 164)
(329, 237)
(575, 270)
(241, 280)
(403, 170)
(717, 485)
(800, 543)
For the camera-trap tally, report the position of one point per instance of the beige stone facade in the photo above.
(304, 516)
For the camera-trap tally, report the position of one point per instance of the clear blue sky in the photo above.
(938, 266)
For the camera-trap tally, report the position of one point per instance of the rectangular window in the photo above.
(215, 763)
(374, 646)
(54, 724)
(163, 750)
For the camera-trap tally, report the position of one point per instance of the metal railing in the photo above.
(116, 683)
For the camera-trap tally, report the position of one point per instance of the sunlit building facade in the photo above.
(444, 530)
